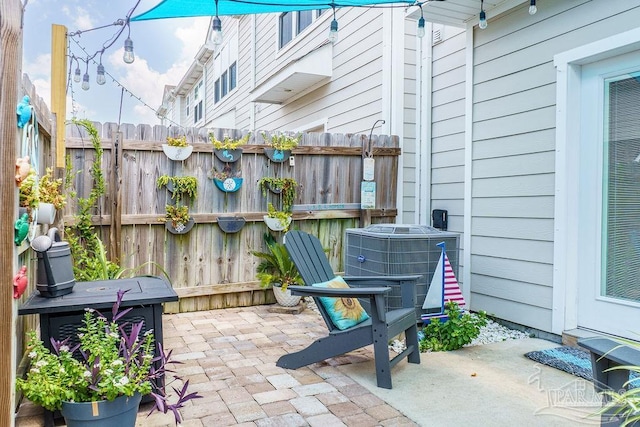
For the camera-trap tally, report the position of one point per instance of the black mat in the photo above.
(572, 360)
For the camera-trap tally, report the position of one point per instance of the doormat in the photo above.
(572, 360)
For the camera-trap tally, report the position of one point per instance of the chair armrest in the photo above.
(407, 285)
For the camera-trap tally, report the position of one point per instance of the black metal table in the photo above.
(62, 316)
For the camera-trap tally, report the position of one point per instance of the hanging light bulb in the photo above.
(128, 56)
(100, 78)
(333, 30)
(483, 17)
(532, 7)
(77, 74)
(216, 31)
(85, 81)
(420, 32)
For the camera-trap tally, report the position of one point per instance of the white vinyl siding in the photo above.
(513, 166)
(409, 141)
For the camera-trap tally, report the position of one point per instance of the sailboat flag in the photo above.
(444, 287)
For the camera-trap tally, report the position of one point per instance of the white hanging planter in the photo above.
(274, 224)
(177, 153)
(46, 213)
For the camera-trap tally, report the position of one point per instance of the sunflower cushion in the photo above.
(344, 312)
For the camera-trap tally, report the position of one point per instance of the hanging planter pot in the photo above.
(231, 224)
(181, 228)
(46, 213)
(177, 153)
(228, 155)
(122, 411)
(228, 185)
(275, 224)
(277, 156)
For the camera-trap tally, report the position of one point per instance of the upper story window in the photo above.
(225, 68)
(188, 103)
(198, 98)
(293, 23)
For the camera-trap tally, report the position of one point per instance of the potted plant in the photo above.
(281, 145)
(276, 269)
(179, 186)
(285, 186)
(177, 219)
(104, 375)
(227, 180)
(277, 220)
(228, 150)
(50, 197)
(177, 148)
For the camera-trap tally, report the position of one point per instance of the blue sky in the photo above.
(164, 49)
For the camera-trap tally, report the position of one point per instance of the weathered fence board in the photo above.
(208, 268)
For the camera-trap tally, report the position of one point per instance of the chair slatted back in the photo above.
(307, 254)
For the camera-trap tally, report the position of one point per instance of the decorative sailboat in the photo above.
(444, 287)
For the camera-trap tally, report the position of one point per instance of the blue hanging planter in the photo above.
(228, 185)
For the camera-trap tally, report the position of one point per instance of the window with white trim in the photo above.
(225, 68)
(198, 98)
(188, 103)
(290, 24)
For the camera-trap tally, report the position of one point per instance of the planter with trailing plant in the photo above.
(50, 197)
(177, 219)
(281, 145)
(276, 269)
(227, 180)
(177, 148)
(179, 186)
(103, 384)
(228, 150)
(277, 220)
(285, 187)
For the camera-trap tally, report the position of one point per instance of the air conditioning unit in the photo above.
(399, 249)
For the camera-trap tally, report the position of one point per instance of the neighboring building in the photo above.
(535, 145)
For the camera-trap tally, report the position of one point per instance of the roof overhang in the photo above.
(296, 78)
(194, 72)
(460, 13)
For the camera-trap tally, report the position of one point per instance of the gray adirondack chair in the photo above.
(307, 254)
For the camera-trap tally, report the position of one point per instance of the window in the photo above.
(216, 91)
(198, 95)
(188, 102)
(224, 82)
(232, 76)
(197, 112)
(295, 20)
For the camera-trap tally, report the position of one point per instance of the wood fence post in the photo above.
(10, 60)
(116, 197)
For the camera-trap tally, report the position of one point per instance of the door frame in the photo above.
(567, 267)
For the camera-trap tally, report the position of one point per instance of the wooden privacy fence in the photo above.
(207, 267)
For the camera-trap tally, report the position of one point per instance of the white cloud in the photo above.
(80, 17)
(192, 36)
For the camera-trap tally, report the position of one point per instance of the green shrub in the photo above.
(460, 329)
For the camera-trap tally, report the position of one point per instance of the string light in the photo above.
(420, 32)
(128, 56)
(532, 7)
(100, 78)
(333, 30)
(483, 16)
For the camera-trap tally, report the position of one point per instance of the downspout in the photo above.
(468, 165)
(204, 89)
(252, 109)
(424, 119)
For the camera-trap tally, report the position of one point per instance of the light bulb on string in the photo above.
(482, 23)
(216, 31)
(420, 32)
(333, 29)
(128, 56)
(85, 81)
(100, 78)
(77, 75)
(532, 7)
